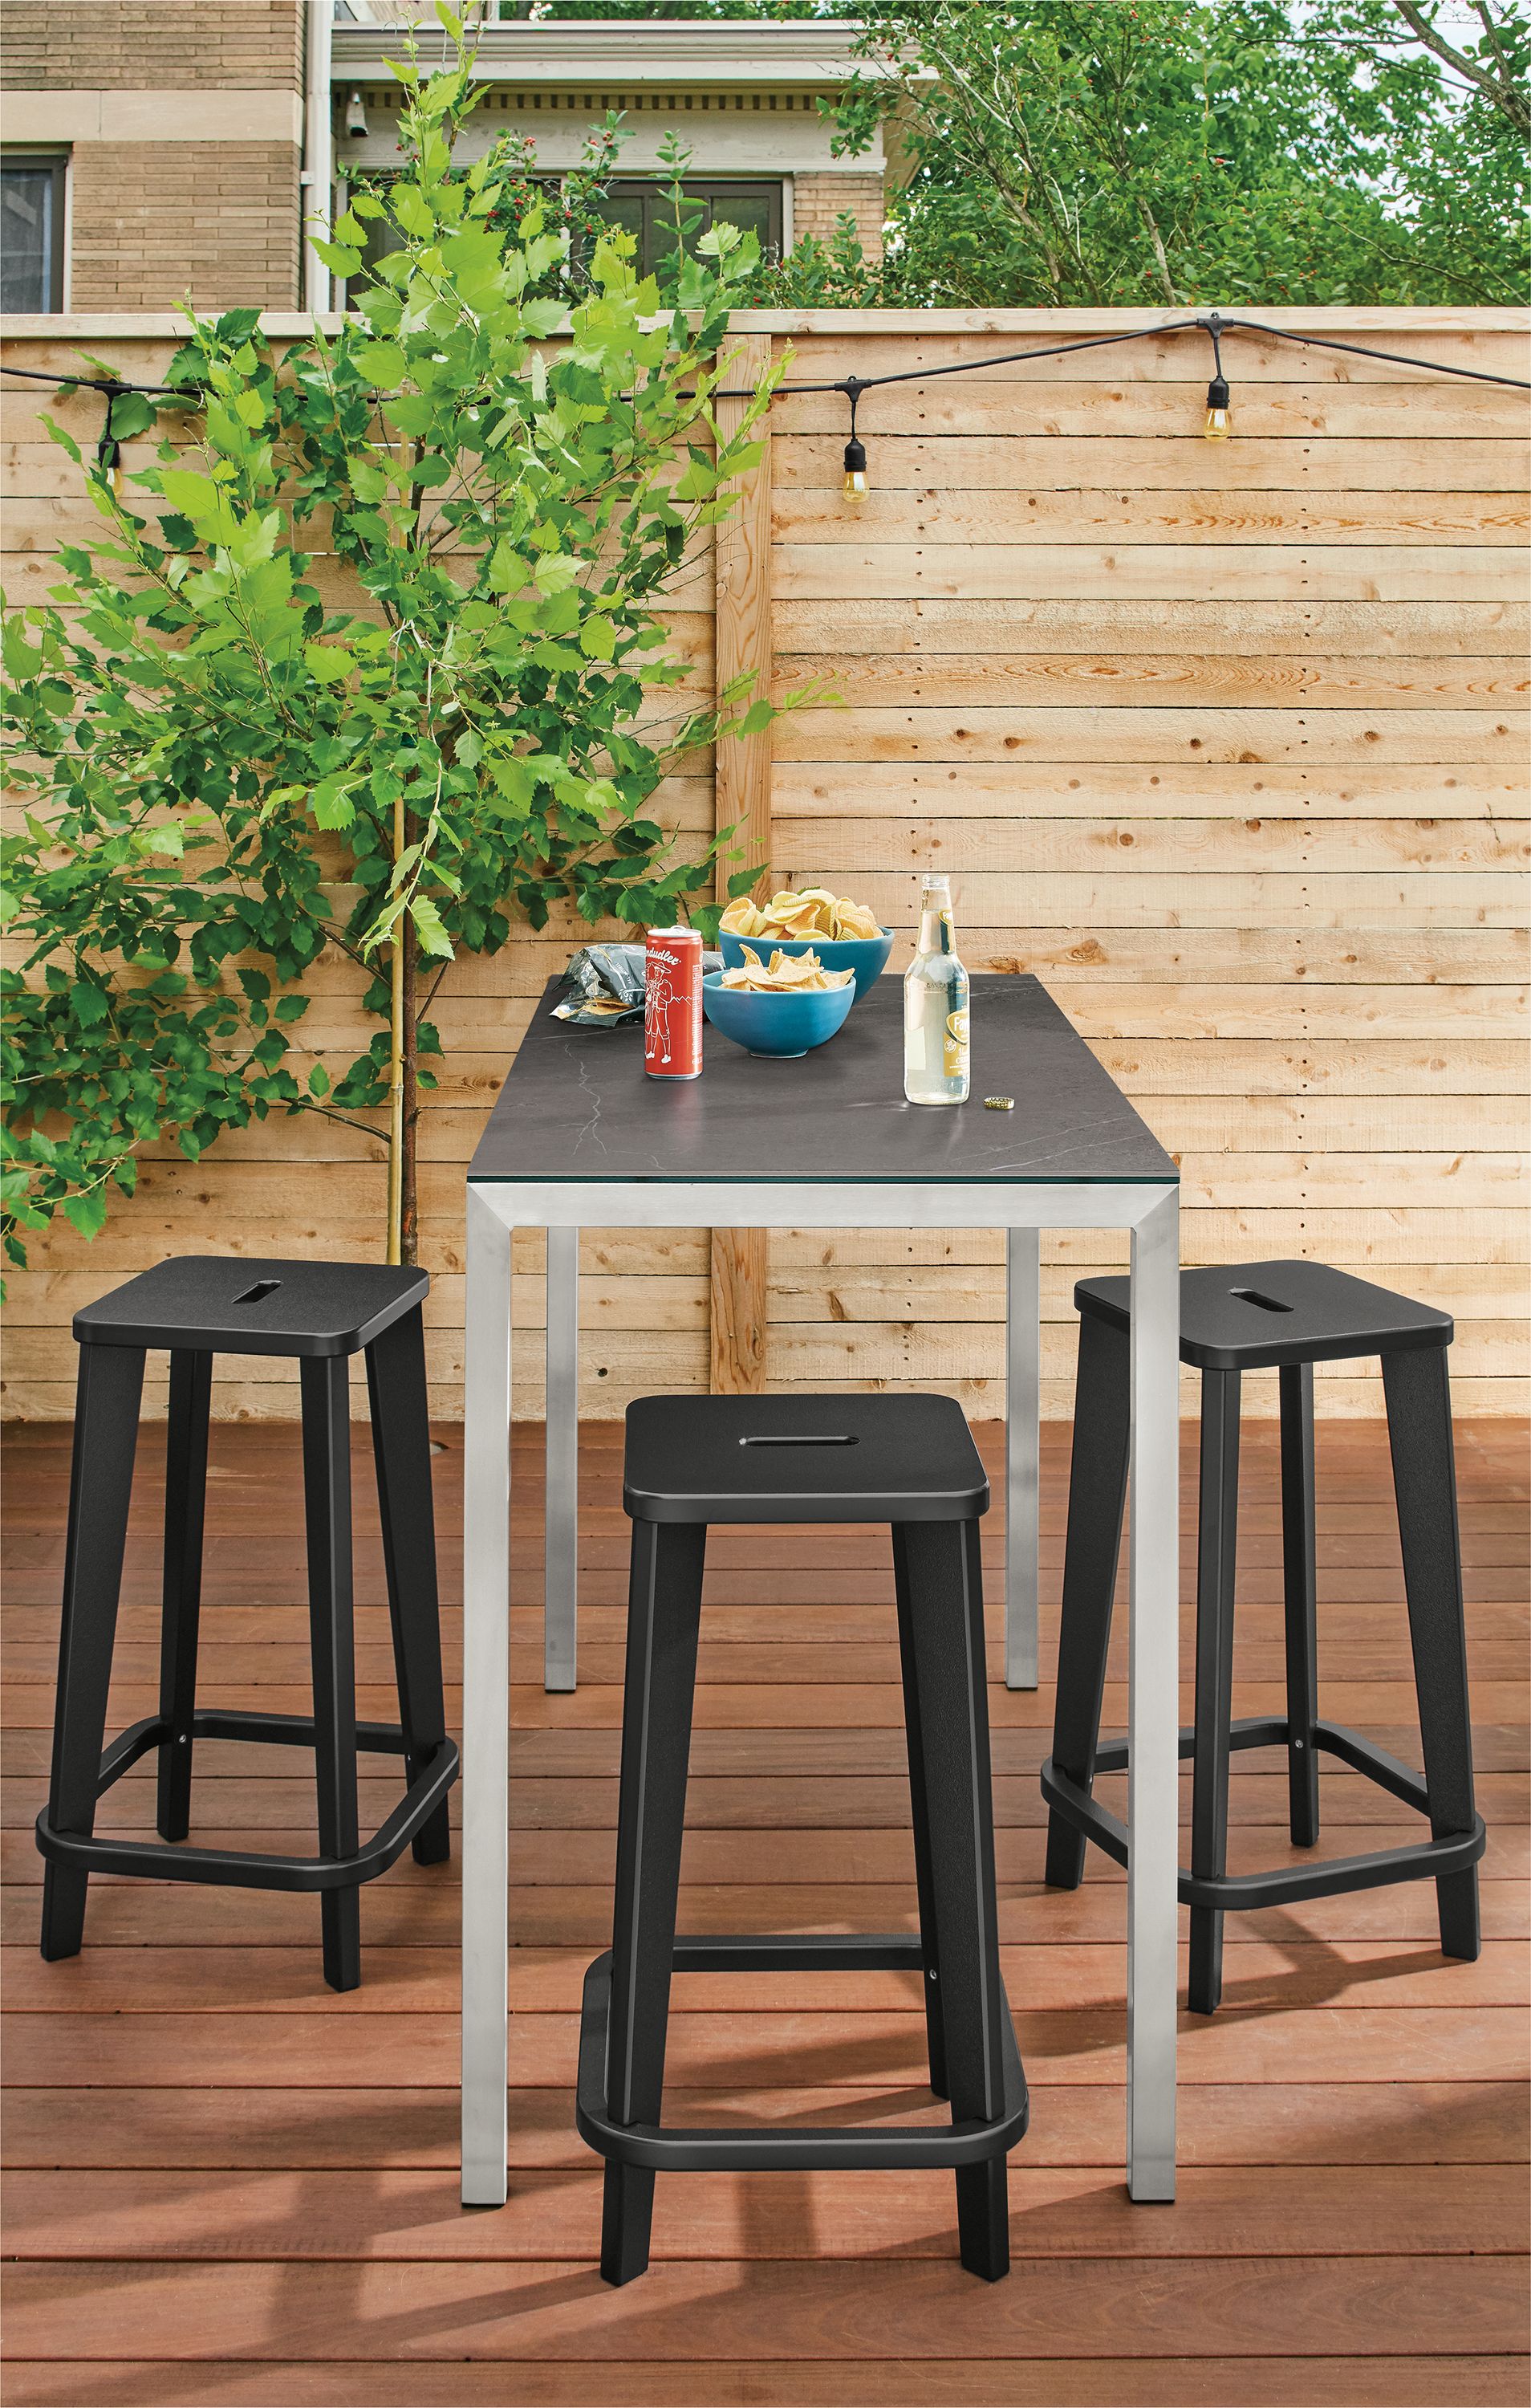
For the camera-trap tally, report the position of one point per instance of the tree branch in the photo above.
(1512, 100)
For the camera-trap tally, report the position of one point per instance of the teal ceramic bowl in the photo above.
(782, 1025)
(866, 955)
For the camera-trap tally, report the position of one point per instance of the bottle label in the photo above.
(954, 1048)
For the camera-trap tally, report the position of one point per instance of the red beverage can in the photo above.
(672, 1004)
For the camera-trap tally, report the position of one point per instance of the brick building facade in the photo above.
(181, 127)
(153, 149)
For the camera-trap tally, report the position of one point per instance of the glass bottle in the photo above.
(936, 1006)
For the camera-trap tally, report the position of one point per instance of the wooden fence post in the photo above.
(742, 801)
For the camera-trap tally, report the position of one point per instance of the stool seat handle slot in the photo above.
(802, 1437)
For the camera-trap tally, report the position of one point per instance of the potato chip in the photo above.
(799, 913)
(785, 974)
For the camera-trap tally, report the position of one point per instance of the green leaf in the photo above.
(92, 1004)
(430, 931)
(132, 413)
(412, 211)
(330, 802)
(87, 1211)
(337, 257)
(330, 663)
(381, 363)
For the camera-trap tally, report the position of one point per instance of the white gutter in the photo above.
(318, 162)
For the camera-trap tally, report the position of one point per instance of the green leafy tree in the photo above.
(375, 668)
(1164, 152)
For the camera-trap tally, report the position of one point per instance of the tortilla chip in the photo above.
(802, 912)
(785, 974)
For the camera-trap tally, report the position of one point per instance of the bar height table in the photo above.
(579, 1137)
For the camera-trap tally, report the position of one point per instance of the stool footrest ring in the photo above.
(669, 2149)
(159, 1861)
(1333, 1876)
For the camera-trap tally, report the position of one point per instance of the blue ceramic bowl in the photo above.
(866, 955)
(784, 1026)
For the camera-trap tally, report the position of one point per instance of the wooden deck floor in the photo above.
(228, 2186)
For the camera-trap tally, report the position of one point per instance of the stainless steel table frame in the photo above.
(1023, 1376)
(1149, 1209)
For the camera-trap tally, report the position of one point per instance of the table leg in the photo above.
(1023, 1399)
(486, 1703)
(1154, 1704)
(561, 1519)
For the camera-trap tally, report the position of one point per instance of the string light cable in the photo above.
(1216, 426)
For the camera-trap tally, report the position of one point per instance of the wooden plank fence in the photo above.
(1225, 742)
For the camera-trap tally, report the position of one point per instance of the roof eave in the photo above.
(733, 52)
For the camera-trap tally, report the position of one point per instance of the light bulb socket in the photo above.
(855, 457)
(1217, 394)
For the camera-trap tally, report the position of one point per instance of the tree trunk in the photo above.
(403, 1074)
(408, 1189)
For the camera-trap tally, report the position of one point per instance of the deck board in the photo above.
(227, 2185)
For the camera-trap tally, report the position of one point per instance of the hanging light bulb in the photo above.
(1216, 426)
(854, 487)
(109, 452)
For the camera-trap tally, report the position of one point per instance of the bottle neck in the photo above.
(937, 935)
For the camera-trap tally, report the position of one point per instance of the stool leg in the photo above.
(664, 1618)
(1216, 1543)
(110, 1387)
(946, 1600)
(1419, 1421)
(401, 1448)
(1299, 1562)
(185, 1512)
(924, 1886)
(326, 1488)
(1097, 1497)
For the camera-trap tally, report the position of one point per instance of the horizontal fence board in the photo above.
(1052, 464)
(1206, 514)
(1230, 793)
(1128, 731)
(950, 680)
(1294, 573)
(1170, 899)
(1261, 631)
(1440, 853)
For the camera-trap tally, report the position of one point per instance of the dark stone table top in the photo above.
(576, 1105)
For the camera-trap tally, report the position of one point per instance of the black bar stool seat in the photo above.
(197, 1306)
(1247, 1317)
(910, 1461)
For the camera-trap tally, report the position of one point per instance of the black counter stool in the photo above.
(908, 1461)
(1249, 1317)
(199, 1305)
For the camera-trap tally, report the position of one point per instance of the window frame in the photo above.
(55, 158)
(712, 193)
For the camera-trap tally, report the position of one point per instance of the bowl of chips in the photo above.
(845, 935)
(783, 1006)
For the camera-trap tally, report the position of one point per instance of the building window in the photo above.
(645, 209)
(647, 212)
(32, 231)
